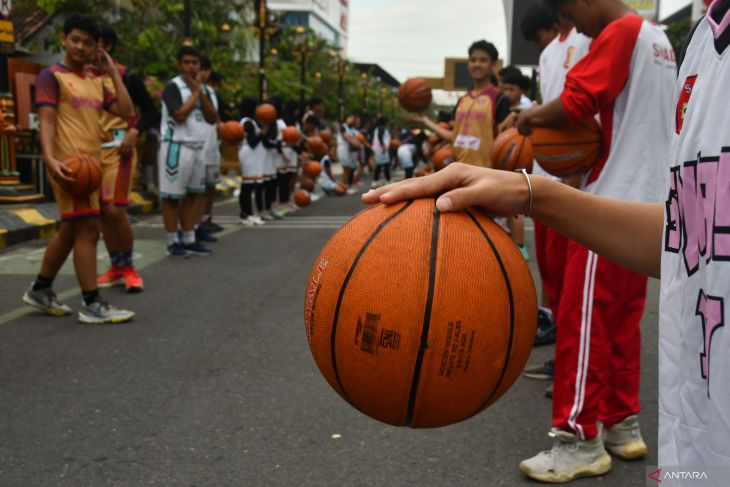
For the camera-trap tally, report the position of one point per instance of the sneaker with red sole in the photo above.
(112, 277)
(132, 280)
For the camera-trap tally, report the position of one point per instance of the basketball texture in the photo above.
(306, 182)
(418, 318)
(232, 132)
(326, 135)
(567, 150)
(266, 113)
(291, 135)
(512, 151)
(312, 169)
(442, 157)
(315, 143)
(302, 198)
(415, 95)
(86, 172)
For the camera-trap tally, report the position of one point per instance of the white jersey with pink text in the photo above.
(694, 340)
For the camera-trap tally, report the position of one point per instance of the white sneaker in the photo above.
(315, 197)
(568, 459)
(624, 439)
(267, 217)
(248, 221)
(374, 185)
(257, 220)
(46, 301)
(100, 312)
(351, 191)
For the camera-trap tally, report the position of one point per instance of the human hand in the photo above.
(105, 63)
(129, 142)
(59, 172)
(523, 122)
(508, 122)
(459, 186)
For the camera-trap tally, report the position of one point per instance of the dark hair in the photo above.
(278, 102)
(485, 46)
(83, 23)
(315, 100)
(539, 17)
(215, 77)
(205, 63)
(515, 77)
(247, 107)
(187, 51)
(108, 35)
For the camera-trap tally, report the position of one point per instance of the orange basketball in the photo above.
(568, 150)
(360, 137)
(442, 157)
(434, 140)
(394, 144)
(306, 182)
(86, 172)
(315, 143)
(324, 149)
(232, 132)
(326, 136)
(512, 151)
(291, 135)
(266, 113)
(427, 168)
(312, 169)
(302, 198)
(415, 95)
(418, 318)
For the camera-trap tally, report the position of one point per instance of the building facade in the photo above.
(328, 18)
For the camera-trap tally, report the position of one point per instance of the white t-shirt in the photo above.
(694, 341)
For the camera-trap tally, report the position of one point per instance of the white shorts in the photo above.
(270, 163)
(292, 159)
(252, 163)
(181, 170)
(326, 183)
(346, 159)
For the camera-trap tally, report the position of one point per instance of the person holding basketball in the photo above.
(70, 104)
(627, 77)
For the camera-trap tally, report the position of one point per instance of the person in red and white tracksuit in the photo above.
(626, 78)
(561, 46)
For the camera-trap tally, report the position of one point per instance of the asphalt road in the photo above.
(213, 383)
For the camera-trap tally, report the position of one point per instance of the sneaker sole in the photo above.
(135, 289)
(89, 320)
(537, 376)
(635, 450)
(108, 284)
(601, 466)
(199, 254)
(178, 256)
(47, 311)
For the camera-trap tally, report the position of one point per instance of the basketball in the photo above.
(291, 135)
(394, 144)
(312, 169)
(326, 136)
(415, 95)
(86, 172)
(568, 150)
(418, 318)
(427, 168)
(232, 132)
(266, 113)
(433, 140)
(306, 182)
(360, 137)
(315, 143)
(444, 125)
(442, 157)
(302, 198)
(324, 150)
(420, 173)
(512, 151)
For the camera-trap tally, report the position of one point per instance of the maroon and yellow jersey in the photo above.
(80, 102)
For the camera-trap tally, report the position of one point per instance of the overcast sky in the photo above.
(412, 37)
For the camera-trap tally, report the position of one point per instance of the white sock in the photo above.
(172, 238)
(189, 237)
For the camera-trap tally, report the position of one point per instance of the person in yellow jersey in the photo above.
(478, 113)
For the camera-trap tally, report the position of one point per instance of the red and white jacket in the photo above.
(627, 78)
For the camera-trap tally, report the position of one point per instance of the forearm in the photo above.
(182, 113)
(209, 113)
(48, 133)
(442, 132)
(547, 115)
(627, 233)
(124, 102)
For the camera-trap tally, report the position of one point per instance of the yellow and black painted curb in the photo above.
(41, 220)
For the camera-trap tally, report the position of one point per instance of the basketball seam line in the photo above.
(333, 336)
(511, 309)
(427, 315)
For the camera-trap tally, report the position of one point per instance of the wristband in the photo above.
(529, 187)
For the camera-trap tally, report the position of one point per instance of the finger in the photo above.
(458, 199)
(417, 188)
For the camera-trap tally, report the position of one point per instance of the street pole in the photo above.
(262, 21)
(187, 21)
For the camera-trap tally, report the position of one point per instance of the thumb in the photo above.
(458, 199)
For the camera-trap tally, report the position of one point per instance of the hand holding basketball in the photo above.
(501, 193)
(58, 171)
